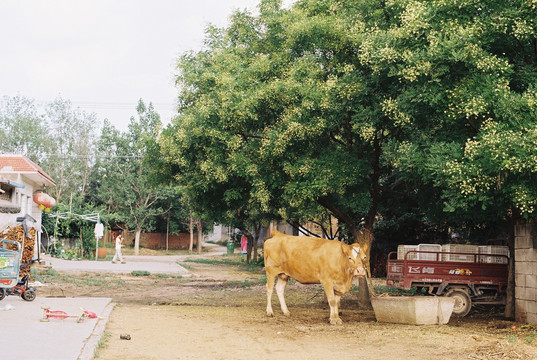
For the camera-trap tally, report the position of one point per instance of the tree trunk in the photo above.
(191, 228)
(249, 248)
(510, 291)
(137, 242)
(365, 239)
(256, 240)
(167, 232)
(200, 236)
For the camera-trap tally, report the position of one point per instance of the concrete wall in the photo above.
(526, 273)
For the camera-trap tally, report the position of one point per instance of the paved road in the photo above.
(24, 337)
(153, 264)
(167, 264)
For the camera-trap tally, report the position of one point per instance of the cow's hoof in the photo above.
(270, 314)
(337, 321)
(287, 313)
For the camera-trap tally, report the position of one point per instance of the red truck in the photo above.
(471, 278)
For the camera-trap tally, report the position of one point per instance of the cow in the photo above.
(311, 260)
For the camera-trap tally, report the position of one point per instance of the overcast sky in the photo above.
(103, 55)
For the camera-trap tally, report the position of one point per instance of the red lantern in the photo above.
(44, 201)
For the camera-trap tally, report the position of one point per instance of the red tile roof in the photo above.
(20, 163)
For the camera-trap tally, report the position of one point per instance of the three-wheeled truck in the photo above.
(470, 278)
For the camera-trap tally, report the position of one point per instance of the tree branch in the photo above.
(340, 215)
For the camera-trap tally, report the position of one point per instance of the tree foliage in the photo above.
(366, 109)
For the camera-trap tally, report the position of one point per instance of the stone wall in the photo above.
(526, 273)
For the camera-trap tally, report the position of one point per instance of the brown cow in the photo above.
(311, 260)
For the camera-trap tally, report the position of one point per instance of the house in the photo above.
(20, 180)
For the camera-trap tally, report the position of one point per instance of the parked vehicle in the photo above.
(471, 278)
(9, 272)
(10, 261)
(21, 289)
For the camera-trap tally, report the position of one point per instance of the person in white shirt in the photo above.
(117, 255)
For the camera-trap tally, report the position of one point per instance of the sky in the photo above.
(103, 55)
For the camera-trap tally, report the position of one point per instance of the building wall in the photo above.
(526, 273)
(23, 199)
(220, 233)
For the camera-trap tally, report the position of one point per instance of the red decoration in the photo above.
(44, 201)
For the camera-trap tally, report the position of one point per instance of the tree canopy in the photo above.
(360, 108)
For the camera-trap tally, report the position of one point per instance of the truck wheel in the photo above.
(2, 293)
(463, 303)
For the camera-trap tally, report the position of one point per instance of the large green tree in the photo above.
(475, 69)
(340, 106)
(122, 177)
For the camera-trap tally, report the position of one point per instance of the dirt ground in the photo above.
(220, 314)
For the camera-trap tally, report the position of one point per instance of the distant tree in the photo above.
(22, 129)
(122, 174)
(70, 149)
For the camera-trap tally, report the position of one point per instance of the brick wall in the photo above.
(526, 273)
(158, 241)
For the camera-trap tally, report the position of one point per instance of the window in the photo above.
(6, 191)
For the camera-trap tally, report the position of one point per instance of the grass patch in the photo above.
(231, 261)
(213, 261)
(186, 266)
(530, 338)
(393, 291)
(52, 276)
(167, 276)
(101, 344)
(246, 284)
(140, 273)
(380, 289)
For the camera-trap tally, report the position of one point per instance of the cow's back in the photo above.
(305, 259)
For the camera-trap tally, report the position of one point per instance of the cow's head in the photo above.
(357, 259)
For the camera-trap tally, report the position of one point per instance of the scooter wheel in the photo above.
(2, 293)
(29, 295)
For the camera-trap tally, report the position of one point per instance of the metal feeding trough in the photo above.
(413, 310)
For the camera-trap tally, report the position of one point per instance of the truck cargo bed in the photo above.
(475, 270)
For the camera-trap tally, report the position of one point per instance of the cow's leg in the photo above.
(338, 302)
(270, 288)
(280, 290)
(333, 302)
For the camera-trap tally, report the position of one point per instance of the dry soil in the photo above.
(219, 313)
